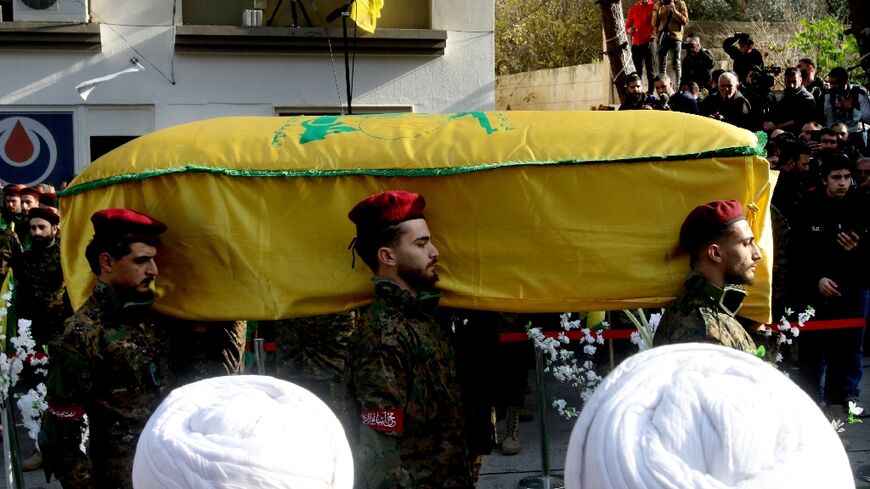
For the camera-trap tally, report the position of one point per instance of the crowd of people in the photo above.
(817, 140)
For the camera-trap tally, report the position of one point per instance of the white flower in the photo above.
(600, 337)
(788, 311)
(855, 409)
(654, 320)
(795, 332)
(589, 350)
(838, 426)
(778, 358)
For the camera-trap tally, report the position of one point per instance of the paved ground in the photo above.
(503, 472)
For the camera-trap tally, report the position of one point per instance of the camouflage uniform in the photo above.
(312, 352)
(10, 246)
(114, 362)
(403, 375)
(41, 296)
(694, 317)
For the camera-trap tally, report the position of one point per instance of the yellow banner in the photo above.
(535, 212)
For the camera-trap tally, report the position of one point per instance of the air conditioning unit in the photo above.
(50, 10)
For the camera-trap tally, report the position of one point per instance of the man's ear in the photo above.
(714, 253)
(106, 262)
(386, 256)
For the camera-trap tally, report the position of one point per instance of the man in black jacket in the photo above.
(730, 105)
(744, 54)
(697, 63)
(832, 234)
(794, 108)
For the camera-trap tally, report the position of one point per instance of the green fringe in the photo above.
(758, 150)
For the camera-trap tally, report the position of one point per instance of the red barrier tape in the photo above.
(268, 346)
(624, 334)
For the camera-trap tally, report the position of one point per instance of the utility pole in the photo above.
(618, 45)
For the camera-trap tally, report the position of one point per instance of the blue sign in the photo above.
(36, 147)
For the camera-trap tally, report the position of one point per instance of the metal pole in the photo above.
(543, 481)
(260, 355)
(12, 465)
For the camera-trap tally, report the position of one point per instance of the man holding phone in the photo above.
(832, 235)
(669, 19)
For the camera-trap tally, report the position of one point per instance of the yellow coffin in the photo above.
(531, 211)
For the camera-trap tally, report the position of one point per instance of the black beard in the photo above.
(418, 281)
(40, 243)
(735, 279)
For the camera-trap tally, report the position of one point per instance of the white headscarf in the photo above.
(702, 416)
(242, 431)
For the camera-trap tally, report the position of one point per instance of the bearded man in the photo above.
(722, 254)
(403, 371)
(41, 295)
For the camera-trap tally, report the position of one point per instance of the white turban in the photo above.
(242, 431)
(702, 416)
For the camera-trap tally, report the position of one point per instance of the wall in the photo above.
(570, 88)
(585, 86)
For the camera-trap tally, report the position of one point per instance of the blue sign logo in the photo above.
(36, 147)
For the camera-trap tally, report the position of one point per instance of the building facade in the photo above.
(200, 61)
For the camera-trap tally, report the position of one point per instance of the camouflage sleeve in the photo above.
(378, 376)
(680, 327)
(8, 245)
(68, 389)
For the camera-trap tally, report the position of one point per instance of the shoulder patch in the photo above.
(384, 420)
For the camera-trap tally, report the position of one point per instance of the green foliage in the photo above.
(823, 40)
(546, 34)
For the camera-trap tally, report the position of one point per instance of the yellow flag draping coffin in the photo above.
(531, 211)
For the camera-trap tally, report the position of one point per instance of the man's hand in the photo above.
(768, 126)
(828, 287)
(848, 240)
(846, 102)
(631, 30)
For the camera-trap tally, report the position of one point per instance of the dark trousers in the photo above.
(833, 356)
(641, 55)
(672, 47)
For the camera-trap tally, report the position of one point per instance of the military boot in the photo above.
(32, 463)
(511, 443)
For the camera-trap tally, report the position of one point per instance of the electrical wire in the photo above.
(331, 56)
(99, 19)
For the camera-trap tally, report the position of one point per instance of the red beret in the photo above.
(49, 199)
(13, 189)
(123, 222)
(705, 222)
(46, 213)
(31, 191)
(387, 208)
